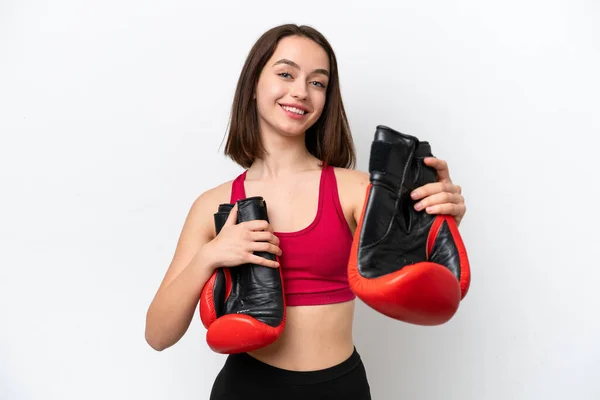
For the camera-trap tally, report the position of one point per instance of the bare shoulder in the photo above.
(352, 188)
(198, 228)
(351, 179)
(206, 204)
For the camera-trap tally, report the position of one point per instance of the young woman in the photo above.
(290, 133)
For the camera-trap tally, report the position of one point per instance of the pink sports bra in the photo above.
(314, 259)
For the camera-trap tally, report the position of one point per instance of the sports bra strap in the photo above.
(237, 188)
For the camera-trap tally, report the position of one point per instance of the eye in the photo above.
(284, 75)
(318, 84)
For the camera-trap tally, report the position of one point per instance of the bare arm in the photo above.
(361, 184)
(172, 309)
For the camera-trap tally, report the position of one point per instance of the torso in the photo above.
(316, 336)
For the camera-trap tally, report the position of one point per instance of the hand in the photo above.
(441, 197)
(236, 243)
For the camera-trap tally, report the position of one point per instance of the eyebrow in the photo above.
(292, 64)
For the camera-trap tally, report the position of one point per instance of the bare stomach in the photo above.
(315, 337)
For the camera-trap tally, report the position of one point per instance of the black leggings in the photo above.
(245, 377)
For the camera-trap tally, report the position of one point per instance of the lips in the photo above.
(293, 113)
(294, 110)
(299, 110)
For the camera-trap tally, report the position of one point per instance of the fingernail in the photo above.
(418, 206)
(414, 194)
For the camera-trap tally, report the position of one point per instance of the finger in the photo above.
(433, 188)
(446, 209)
(256, 225)
(265, 246)
(232, 217)
(439, 198)
(258, 260)
(264, 236)
(441, 166)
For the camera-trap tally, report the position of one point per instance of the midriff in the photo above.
(314, 338)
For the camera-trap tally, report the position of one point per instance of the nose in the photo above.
(298, 90)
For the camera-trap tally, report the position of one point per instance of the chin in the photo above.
(291, 129)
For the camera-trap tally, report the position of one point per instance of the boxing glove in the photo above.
(218, 286)
(409, 265)
(253, 313)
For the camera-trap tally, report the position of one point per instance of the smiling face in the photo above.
(291, 90)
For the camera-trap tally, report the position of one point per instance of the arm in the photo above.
(352, 189)
(172, 309)
(362, 181)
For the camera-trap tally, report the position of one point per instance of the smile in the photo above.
(294, 110)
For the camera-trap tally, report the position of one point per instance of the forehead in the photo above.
(303, 51)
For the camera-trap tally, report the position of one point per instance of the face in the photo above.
(291, 89)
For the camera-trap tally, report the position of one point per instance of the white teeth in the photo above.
(294, 110)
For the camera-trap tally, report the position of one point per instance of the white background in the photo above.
(112, 117)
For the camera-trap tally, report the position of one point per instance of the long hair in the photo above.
(328, 139)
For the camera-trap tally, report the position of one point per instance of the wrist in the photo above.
(206, 259)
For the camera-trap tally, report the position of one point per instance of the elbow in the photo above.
(155, 345)
(154, 342)
(153, 336)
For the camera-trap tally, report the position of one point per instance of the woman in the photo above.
(289, 131)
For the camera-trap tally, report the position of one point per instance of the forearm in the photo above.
(173, 308)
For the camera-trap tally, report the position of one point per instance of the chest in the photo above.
(292, 205)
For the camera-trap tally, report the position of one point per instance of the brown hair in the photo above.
(329, 138)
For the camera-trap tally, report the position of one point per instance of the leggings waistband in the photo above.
(251, 367)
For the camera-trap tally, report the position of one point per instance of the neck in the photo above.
(283, 155)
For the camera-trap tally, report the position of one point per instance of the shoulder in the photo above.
(211, 198)
(351, 179)
(206, 204)
(217, 194)
(352, 187)
(198, 228)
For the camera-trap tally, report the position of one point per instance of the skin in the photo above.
(315, 337)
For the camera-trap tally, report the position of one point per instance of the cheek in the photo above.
(266, 95)
(318, 104)
(270, 91)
